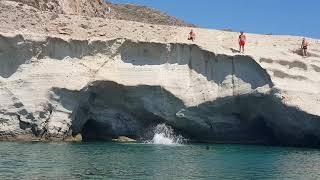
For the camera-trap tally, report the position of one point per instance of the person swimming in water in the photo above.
(242, 41)
(304, 47)
(192, 36)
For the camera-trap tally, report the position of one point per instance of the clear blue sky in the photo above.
(257, 16)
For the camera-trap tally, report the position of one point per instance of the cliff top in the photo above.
(131, 12)
(101, 8)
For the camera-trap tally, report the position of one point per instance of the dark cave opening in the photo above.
(311, 139)
(117, 126)
(93, 130)
(262, 131)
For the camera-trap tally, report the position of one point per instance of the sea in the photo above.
(165, 156)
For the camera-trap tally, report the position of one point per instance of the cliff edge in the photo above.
(65, 75)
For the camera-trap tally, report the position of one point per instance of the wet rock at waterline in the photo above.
(124, 139)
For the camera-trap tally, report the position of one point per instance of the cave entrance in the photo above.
(260, 130)
(92, 130)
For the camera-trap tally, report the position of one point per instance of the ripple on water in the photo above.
(98, 160)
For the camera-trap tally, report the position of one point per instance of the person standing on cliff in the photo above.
(304, 47)
(192, 36)
(242, 42)
(108, 10)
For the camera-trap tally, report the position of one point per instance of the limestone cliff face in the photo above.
(53, 89)
(65, 75)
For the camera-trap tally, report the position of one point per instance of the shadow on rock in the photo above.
(106, 109)
(214, 67)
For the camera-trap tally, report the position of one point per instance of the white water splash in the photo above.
(165, 135)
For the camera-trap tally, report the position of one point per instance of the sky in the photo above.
(283, 17)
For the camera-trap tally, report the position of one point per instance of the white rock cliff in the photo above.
(107, 78)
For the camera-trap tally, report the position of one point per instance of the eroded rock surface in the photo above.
(58, 84)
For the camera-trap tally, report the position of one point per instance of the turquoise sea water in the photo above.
(100, 160)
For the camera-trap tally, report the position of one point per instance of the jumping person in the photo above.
(192, 36)
(304, 47)
(242, 41)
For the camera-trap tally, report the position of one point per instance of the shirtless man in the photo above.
(192, 36)
(242, 41)
(304, 47)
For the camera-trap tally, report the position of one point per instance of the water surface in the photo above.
(100, 160)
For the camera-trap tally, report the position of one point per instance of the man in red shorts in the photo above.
(242, 41)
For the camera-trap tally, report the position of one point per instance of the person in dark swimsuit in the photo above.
(304, 47)
(192, 36)
(242, 42)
